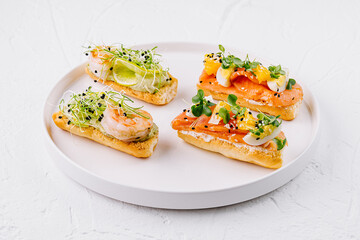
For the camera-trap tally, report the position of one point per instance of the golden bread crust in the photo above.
(286, 113)
(252, 154)
(137, 149)
(162, 97)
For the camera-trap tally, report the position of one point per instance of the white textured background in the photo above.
(318, 40)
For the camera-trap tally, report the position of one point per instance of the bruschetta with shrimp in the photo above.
(260, 88)
(137, 73)
(107, 118)
(232, 130)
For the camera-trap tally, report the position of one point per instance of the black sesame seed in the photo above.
(102, 96)
(200, 81)
(86, 54)
(193, 128)
(236, 128)
(278, 95)
(250, 113)
(275, 94)
(88, 118)
(119, 105)
(69, 110)
(277, 90)
(100, 118)
(109, 49)
(188, 110)
(206, 126)
(137, 137)
(69, 122)
(229, 130)
(60, 117)
(99, 104)
(185, 118)
(111, 68)
(216, 113)
(129, 59)
(293, 98)
(220, 60)
(209, 82)
(95, 81)
(184, 110)
(257, 138)
(241, 119)
(125, 114)
(83, 94)
(95, 71)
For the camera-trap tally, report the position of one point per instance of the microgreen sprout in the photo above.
(224, 114)
(147, 59)
(147, 62)
(87, 108)
(201, 105)
(291, 83)
(280, 143)
(264, 120)
(232, 61)
(234, 108)
(276, 71)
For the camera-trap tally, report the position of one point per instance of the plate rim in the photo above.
(313, 105)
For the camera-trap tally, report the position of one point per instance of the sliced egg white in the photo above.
(223, 76)
(251, 139)
(279, 84)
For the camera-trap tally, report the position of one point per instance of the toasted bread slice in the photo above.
(137, 149)
(253, 154)
(161, 97)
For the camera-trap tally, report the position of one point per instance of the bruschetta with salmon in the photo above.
(260, 88)
(107, 118)
(137, 73)
(232, 130)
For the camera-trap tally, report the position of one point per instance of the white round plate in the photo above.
(178, 175)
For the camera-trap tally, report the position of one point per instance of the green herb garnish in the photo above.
(147, 59)
(264, 120)
(291, 83)
(232, 61)
(276, 71)
(201, 105)
(224, 114)
(280, 143)
(234, 108)
(87, 108)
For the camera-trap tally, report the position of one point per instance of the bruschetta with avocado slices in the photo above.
(137, 73)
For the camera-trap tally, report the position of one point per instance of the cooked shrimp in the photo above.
(99, 62)
(124, 128)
